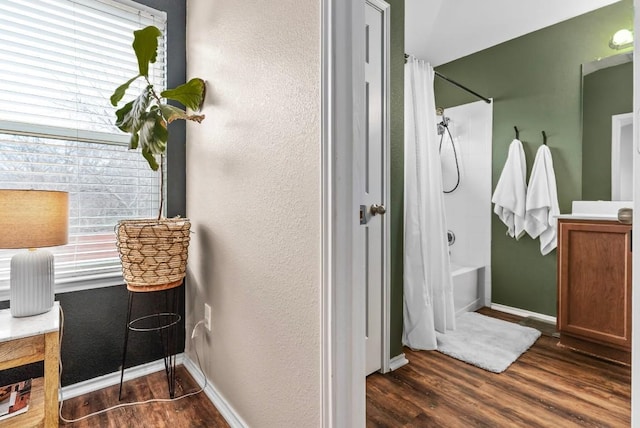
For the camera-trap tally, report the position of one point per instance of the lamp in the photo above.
(621, 39)
(32, 219)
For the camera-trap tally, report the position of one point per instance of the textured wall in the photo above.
(535, 81)
(253, 194)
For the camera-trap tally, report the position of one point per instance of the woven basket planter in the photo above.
(153, 252)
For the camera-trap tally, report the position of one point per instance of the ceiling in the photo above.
(440, 31)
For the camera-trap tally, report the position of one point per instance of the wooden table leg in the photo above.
(51, 379)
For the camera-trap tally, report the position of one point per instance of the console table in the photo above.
(25, 341)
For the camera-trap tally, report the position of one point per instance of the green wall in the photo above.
(535, 81)
(397, 169)
(605, 93)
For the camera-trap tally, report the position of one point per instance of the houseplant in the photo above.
(154, 252)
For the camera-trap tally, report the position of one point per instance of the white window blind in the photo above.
(61, 61)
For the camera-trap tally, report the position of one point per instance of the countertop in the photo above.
(589, 217)
(16, 328)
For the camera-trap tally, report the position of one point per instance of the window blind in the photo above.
(61, 61)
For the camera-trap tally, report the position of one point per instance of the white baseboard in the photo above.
(397, 362)
(111, 379)
(225, 409)
(97, 383)
(523, 313)
(471, 307)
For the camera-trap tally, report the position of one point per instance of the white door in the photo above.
(373, 183)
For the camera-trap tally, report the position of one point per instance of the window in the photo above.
(61, 61)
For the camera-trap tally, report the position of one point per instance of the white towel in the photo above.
(542, 202)
(511, 191)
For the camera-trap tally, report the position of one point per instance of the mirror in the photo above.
(607, 128)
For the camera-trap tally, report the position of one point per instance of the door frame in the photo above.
(385, 356)
(635, 295)
(342, 125)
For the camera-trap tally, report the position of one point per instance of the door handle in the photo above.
(377, 209)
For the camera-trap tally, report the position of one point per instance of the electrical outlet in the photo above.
(207, 316)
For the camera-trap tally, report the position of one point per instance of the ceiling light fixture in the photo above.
(621, 39)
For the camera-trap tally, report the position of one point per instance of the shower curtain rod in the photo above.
(453, 82)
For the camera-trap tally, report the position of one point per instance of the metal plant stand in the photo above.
(164, 323)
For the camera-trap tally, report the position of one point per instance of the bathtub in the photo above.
(467, 291)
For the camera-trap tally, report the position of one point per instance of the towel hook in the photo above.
(517, 132)
(544, 138)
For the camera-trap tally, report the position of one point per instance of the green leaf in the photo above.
(120, 115)
(120, 90)
(131, 116)
(191, 94)
(145, 44)
(153, 135)
(172, 113)
(161, 134)
(133, 142)
(151, 160)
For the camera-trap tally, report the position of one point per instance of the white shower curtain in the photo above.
(428, 286)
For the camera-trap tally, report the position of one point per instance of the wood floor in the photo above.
(191, 412)
(546, 387)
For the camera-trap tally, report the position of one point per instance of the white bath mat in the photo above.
(486, 342)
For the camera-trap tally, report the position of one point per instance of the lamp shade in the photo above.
(33, 218)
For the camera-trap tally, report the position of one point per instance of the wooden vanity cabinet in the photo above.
(594, 287)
